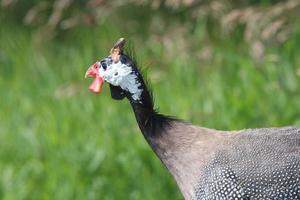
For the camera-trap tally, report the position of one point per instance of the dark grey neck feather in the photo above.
(149, 120)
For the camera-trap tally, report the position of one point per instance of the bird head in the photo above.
(119, 71)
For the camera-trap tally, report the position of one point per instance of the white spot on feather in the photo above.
(119, 74)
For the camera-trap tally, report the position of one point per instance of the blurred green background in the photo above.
(219, 64)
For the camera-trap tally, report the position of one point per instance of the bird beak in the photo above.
(86, 74)
(93, 72)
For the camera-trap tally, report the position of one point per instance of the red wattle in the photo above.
(97, 84)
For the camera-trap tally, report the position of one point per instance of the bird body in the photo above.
(248, 164)
(255, 164)
(206, 163)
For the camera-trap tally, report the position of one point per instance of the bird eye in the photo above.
(103, 64)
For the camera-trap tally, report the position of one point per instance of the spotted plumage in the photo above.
(258, 164)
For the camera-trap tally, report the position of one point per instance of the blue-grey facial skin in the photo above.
(121, 73)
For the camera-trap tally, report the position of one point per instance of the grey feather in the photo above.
(249, 164)
(258, 164)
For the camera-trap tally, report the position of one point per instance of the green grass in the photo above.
(59, 141)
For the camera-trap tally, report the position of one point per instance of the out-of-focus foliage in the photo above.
(261, 22)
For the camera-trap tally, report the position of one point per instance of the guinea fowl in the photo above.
(206, 163)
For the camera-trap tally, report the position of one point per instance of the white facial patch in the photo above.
(119, 74)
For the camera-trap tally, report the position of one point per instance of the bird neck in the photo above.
(143, 108)
(150, 122)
